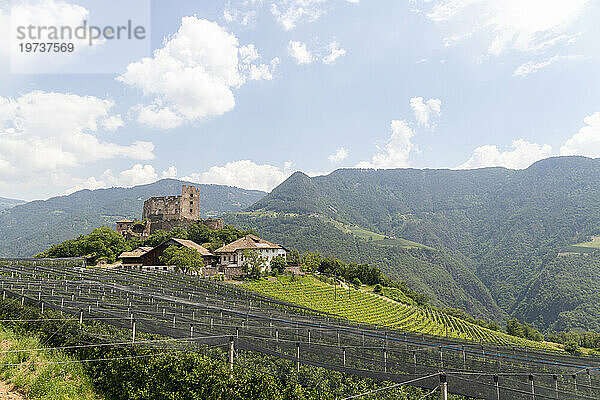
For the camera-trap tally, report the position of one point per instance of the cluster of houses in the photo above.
(227, 260)
(168, 212)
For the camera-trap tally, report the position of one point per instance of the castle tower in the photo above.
(190, 202)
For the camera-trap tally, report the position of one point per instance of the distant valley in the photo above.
(493, 241)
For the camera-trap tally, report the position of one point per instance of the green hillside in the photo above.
(32, 227)
(442, 278)
(9, 203)
(593, 244)
(499, 229)
(361, 306)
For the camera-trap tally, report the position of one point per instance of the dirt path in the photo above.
(8, 392)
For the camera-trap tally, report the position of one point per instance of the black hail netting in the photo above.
(197, 312)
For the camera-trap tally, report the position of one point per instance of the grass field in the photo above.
(361, 306)
(66, 381)
(594, 243)
(373, 237)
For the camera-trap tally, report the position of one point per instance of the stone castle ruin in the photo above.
(168, 212)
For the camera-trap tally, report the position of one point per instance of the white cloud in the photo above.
(46, 13)
(586, 141)
(532, 67)
(156, 117)
(335, 52)
(395, 153)
(244, 174)
(340, 155)
(300, 53)
(453, 40)
(248, 54)
(327, 54)
(426, 112)
(517, 25)
(192, 77)
(242, 17)
(289, 13)
(113, 123)
(44, 134)
(171, 172)
(522, 155)
(138, 175)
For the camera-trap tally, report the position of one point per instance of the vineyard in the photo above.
(359, 306)
(164, 311)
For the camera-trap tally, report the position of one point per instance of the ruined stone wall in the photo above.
(162, 208)
(173, 207)
(213, 224)
(124, 227)
(190, 202)
(167, 225)
(169, 212)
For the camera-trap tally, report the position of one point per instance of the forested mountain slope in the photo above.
(9, 203)
(445, 280)
(504, 226)
(32, 227)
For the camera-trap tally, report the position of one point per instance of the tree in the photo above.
(571, 346)
(253, 263)
(493, 326)
(184, 258)
(356, 283)
(515, 328)
(101, 244)
(199, 233)
(378, 288)
(332, 266)
(158, 237)
(293, 256)
(227, 235)
(311, 260)
(278, 264)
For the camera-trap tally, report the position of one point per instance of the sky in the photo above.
(245, 92)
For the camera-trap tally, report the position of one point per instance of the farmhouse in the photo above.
(231, 255)
(153, 256)
(228, 260)
(133, 258)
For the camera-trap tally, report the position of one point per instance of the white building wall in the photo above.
(267, 254)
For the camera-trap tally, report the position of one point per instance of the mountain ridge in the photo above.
(6, 203)
(32, 227)
(506, 226)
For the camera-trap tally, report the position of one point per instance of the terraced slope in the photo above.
(365, 307)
